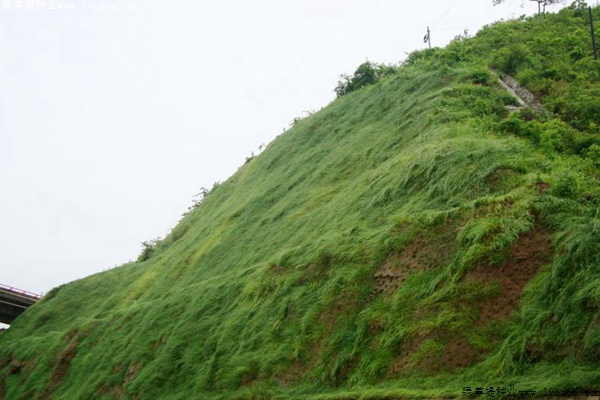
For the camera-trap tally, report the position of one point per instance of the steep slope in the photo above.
(409, 240)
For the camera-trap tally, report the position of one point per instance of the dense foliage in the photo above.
(552, 56)
(414, 239)
(366, 74)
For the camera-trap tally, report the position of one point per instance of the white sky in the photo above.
(111, 120)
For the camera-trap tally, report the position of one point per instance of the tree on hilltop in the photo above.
(366, 74)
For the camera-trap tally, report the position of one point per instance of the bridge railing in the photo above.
(19, 292)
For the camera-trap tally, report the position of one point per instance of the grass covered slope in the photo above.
(410, 239)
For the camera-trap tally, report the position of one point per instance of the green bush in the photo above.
(148, 249)
(422, 56)
(593, 154)
(551, 140)
(567, 186)
(520, 124)
(511, 59)
(366, 74)
(513, 125)
(481, 76)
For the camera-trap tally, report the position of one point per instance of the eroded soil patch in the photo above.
(8, 367)
(444, 348)
(525, 258)
(117, 391)
(429, 250)
(59, 373)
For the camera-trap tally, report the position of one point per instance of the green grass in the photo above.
(272, 286)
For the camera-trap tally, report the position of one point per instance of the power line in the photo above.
(427, 38)
(444, 14)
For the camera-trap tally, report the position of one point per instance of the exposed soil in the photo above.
(277, 269)
(542, 187)
(3, 364)
(113, 391)
(503, 283)
(499, 180)
(132, 372)
(457, 353)
(60, 371)
(531, 251)
(297, 371)
(525, 258)
(117, 391)
(346, 303)
(428, 251)
(7, 368)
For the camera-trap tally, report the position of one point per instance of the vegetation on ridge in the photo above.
(412, 239)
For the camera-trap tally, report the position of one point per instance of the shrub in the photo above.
(513, 125)
(422, 56)
(593, 154)
(366, 74)
(511, 59)
(148, 249)
(521, 124)
(567, 186)
(551, 140)
(481, 76)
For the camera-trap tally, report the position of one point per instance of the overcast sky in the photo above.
(111, 120)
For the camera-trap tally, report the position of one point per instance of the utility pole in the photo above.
(540, 6)
(427, 38)
(593, 33)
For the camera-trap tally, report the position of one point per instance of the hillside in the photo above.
(410, 240)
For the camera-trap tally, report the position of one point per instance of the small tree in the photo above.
(148, 248)
(366, 74)
(198, 198)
